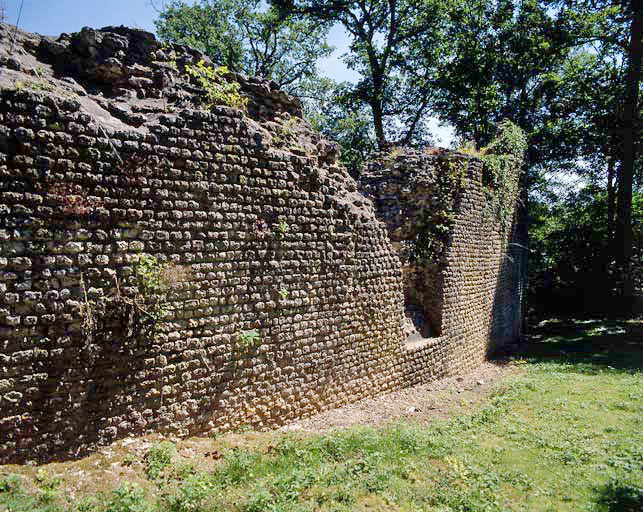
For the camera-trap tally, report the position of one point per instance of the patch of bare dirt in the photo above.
(421, 403)
(124, 460)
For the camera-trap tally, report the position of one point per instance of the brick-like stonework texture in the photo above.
(462, 270)
(106, 154)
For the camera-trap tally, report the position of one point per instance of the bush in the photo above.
(128, 497)
(191, 494)
(158, 458)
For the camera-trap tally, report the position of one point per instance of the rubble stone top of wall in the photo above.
(126, 66)
(127, 81)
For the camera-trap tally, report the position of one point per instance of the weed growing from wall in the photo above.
(503, 160)
(148, 301)
(283, 228)
(248, 340)
(139, 314)
(218, 90)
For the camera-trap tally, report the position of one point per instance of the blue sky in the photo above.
(52, 17)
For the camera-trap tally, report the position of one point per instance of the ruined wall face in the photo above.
(267, 230)
(472, 268)
(328, 339)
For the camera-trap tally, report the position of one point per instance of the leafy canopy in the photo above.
(395, 46)
(247, 37)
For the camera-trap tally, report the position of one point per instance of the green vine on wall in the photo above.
(502, 163)
(503, 160)
(218, 90)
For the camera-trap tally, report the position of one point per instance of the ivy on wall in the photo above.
(502, 161)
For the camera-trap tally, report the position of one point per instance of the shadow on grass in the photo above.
(618, 496)
(588, 345)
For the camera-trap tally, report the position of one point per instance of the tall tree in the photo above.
(395, 45)
(334, 110)
(623, 34)
(249, 37)
(631, 143)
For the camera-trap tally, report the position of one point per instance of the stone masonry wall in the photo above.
(103, 163)
(471, 271)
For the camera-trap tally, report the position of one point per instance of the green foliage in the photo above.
(283, 227)
(48, 485)
(394, 46)
(562, 432)
(158, 458)
(572, 270)
(127, 497)
(337, 112)
(149, 273)
(140, 314)
(504, 160)
(218, 90)
(248, 339)
(89, 504)
(247, 37)
(192, 494)
(10, 483)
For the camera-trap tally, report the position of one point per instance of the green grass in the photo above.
(567, 434)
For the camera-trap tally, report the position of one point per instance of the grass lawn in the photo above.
(564, 434)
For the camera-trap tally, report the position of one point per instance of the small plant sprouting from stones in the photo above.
(282, 228)
(286, 134)
(140, 313)
(148, 301)
(148, 271)
(218, 90)
(248, 340)
(283, 293)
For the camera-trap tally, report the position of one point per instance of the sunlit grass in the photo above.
(567, 434)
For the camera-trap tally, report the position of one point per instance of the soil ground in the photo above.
(558, 429)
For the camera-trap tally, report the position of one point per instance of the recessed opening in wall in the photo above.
(422, 302)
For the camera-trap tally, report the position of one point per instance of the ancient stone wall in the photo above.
(282, 293)
(462, 263)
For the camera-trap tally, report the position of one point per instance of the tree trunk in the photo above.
(611, 210)
(630, 143)
(376, 100)
(611, 198)
(378, 122)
